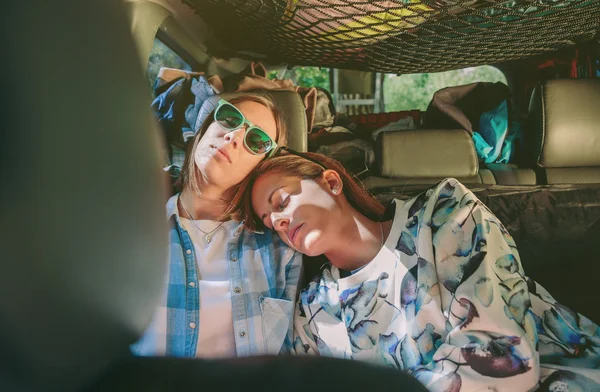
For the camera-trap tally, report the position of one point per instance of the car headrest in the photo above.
(84, 236)
(564, 124)
(427, 153)
(291, 105)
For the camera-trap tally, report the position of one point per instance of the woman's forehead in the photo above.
(266, 184)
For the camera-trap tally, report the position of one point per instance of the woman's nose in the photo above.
(235, 137)
(280, 223)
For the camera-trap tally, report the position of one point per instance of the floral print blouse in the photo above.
(446, 300)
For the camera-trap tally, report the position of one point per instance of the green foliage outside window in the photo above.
(163, 56)
(414, 91)
(306, 76)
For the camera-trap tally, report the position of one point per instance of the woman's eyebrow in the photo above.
(272, 193)
(270, 200)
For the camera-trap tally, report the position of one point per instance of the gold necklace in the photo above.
(207, 235)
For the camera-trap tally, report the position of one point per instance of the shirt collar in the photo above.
(173, 210)
(172, 206)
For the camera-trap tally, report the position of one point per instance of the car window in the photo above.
(163, 56)
(414, 91)
(304, 76)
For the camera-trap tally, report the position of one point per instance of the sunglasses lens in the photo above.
(258, 141)
(229, 117)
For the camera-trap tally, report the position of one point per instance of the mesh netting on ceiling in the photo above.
(403, 36)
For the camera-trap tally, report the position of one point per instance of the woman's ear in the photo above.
(333, 181)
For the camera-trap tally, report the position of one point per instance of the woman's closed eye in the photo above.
(277, 206)
(284, 203)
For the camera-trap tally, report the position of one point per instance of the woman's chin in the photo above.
(310, 253)
(310, 246)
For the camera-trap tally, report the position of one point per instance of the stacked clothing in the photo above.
(483, 109)
(334, 135)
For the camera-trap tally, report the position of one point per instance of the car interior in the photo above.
(83, 222)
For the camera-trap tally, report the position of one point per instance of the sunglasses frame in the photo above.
(250, 126)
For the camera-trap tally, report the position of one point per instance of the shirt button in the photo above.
(192, 284)
(234, 259)
(242, 334)
(192, 325)
(189, 251)
(237, 290)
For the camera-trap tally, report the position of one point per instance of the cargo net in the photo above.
(409, 36)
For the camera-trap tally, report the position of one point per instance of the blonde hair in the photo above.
(189, 176)
(308, 166)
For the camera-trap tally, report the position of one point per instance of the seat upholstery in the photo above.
(374, 182)
(511, 174)
(426, 153)
(571, 175)
(425, 157)
(564, 131)
(84, 236)
(291, 105)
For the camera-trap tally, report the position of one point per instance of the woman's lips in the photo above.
(294, 233)
(223, 153)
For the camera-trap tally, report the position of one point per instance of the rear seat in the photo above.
(564, 129)
(420, 158)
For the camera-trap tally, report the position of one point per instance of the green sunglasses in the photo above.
(257, 141)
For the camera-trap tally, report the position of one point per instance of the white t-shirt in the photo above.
(215, 333)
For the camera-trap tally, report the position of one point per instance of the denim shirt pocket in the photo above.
(277, 316)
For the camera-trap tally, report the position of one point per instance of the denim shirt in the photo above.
(263, 275)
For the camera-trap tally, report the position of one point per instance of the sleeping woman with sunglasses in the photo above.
(229, 292)
(433, 285)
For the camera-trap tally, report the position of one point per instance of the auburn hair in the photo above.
(307, 166)
(190, 175)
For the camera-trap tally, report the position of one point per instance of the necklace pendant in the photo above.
(207, 238)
